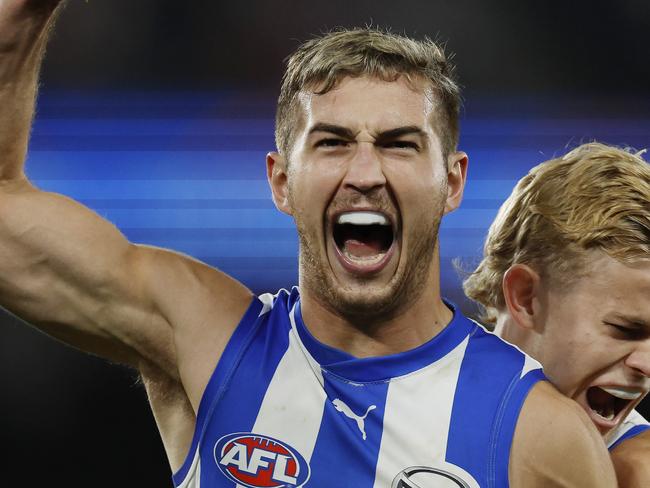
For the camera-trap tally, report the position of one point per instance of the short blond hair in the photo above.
(596, 197)
(321, 63)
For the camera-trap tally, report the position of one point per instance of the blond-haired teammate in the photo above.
(566, 277)
(245, 389)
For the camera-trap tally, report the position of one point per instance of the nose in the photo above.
(364, 172)
(639, 359)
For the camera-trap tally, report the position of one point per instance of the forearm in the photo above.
(24, 30)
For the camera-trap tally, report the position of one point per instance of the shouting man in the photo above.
(566, 277)
(363, 367)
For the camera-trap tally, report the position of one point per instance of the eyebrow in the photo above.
(401, 131)
(337, 130)
(346, 133)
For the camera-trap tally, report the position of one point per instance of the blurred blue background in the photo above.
(158, 114)
(186, 170)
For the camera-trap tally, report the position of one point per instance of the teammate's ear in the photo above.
(521, 288)
(456, 176)
(276, 173)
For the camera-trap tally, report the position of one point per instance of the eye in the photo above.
(401, 144)
(625, 332)
(331, 142)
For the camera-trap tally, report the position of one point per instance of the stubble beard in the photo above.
(365, 304)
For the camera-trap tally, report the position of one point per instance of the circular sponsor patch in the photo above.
(429, 477)
(258, 461)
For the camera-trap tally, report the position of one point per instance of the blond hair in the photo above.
(321, 63)
(596, 197)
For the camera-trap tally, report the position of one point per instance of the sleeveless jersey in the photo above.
(284, 410)
(633, 425)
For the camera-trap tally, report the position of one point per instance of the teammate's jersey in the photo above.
(633, 425)
(284, 410)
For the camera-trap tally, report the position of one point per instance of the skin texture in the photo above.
(405, 176)
(555, 445)
(74, 276)
(630, 459)
(594, 331)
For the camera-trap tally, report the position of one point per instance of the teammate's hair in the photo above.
(596, 197)
(321, 63)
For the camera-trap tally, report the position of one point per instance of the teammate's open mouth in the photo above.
(608, 402)
(363, 239)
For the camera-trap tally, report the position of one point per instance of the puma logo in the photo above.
(347, 411)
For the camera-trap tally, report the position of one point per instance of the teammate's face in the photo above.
(595, 341)
(367, 185)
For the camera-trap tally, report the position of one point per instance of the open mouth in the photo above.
(609, 404)
(364, 240)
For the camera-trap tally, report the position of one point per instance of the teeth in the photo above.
(369, 260)
(362, 218)
(609, 416)
(622, 393)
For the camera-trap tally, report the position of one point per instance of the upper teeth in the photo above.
(363, 218)
(622, 393)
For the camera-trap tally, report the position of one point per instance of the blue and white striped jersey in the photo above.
(633, 425)
(284, 410)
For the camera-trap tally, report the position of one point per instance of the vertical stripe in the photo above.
(488, 371)
(417, 417)
(236, 408)
(351, 430)
(293, 404)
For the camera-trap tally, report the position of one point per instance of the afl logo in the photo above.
(258, 461)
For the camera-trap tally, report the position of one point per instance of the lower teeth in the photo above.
(372, 258)
(609, 416)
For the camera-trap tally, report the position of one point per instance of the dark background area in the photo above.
(582, 68)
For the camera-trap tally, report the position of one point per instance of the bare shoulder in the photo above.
(203, 306)
(555, 444)
(631, 460)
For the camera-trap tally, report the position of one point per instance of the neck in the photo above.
(407, 329)
(507, 329)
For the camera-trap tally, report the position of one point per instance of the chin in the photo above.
(362, 291)
(365, 303)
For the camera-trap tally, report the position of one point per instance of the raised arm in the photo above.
(74, 275)
(556, 445)
(24, 29)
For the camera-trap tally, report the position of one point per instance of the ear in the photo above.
(276, 173)
(456, 177)
(521, 289)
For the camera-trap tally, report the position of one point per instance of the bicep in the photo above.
(71, 273)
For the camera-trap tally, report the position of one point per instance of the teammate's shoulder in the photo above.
(545, 405)
(556, 444)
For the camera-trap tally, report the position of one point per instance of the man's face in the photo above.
(367, 185)
(595, 342)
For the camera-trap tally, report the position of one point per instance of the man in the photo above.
(566, 277)
(363, 378)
